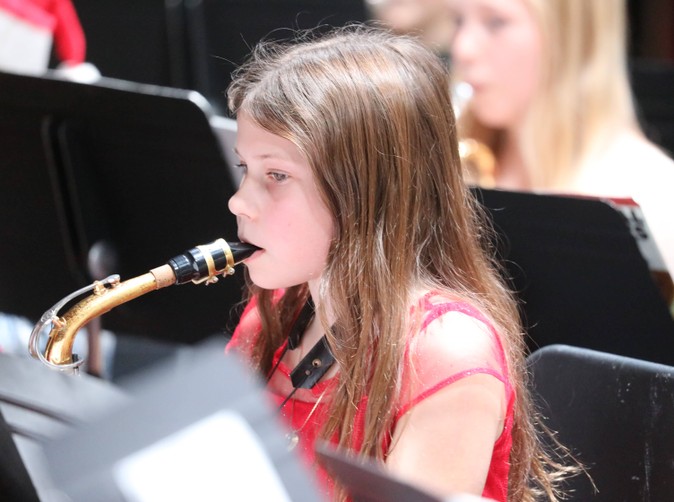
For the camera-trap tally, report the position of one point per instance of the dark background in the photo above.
(196, 44)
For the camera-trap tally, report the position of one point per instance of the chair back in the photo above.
(616, 415)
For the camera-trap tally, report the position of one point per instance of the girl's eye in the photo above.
(243, 167)
(278, 177)
(456, 21)
(495, 22)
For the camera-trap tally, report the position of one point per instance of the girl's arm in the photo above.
(444, 443)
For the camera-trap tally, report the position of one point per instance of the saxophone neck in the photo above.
(201, 264)
(105, 295)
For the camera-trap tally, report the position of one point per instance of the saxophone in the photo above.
(200, 265)
(477, 159)
(478, 162)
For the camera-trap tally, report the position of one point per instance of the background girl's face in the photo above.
(278, 208)
(406, 16)
(497, 49)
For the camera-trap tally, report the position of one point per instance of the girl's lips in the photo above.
(255, 255)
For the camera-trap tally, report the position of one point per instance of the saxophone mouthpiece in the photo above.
(241, 251)
(202, 264)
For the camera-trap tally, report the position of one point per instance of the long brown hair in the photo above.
(372, 114)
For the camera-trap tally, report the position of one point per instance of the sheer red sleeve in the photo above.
(454, 341)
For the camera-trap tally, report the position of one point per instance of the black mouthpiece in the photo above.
(204, 263)
(241, 251)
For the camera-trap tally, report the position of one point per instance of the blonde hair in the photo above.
(372, 114)
(584, 95)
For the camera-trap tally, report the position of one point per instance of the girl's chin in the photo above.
(264, 281)
(490, 117)
(269, 280)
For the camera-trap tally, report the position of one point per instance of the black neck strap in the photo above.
(304, 317)
(313, 366)
(318, 360)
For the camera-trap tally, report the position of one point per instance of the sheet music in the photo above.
(217, 458)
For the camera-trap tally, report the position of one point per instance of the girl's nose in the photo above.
(239, 203)
(465, 45)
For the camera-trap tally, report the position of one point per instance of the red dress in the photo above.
(433, 370)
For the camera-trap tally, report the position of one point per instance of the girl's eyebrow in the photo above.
(265, 156)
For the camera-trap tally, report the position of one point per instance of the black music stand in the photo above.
(218, 35)
(199, 426)
(366, 481)
(15, 482)
(615, 414)
(579, 275)
(652, 83)
(134, 171)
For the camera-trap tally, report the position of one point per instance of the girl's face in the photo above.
(278, 208)
(497, 49)
(406, 16)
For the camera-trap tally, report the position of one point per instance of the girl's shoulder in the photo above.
(451, 339)
(434, 305)
(454, 334)
(627, 162)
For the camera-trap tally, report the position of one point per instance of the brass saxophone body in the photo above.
(199, 265)
(477, 159)
(478, 162)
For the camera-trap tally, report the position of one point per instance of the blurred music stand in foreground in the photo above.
(579, 275)
(15, 482)
(38, 404)
(198, 428)
(365, 481)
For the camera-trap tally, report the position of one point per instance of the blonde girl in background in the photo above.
(552, 99)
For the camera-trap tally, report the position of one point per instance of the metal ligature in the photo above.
(199, 265)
